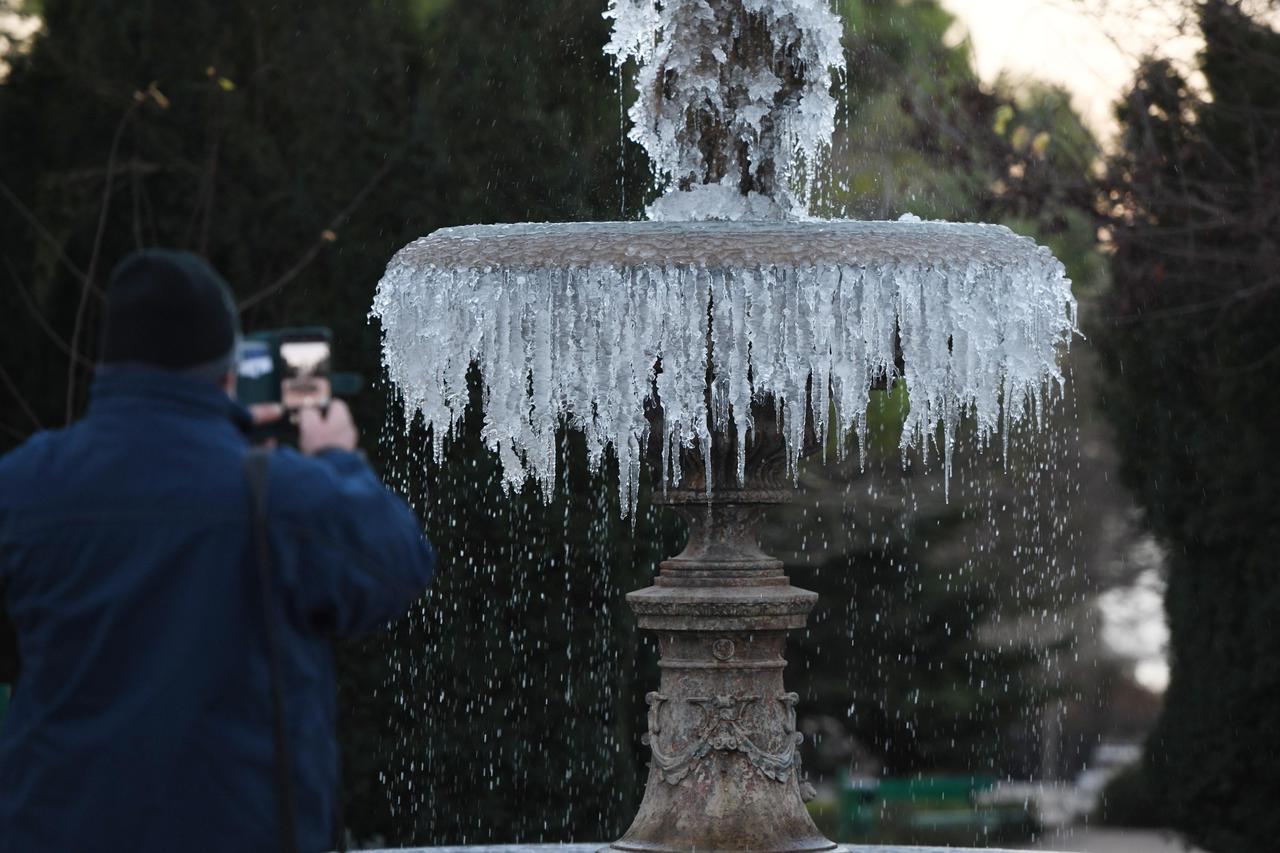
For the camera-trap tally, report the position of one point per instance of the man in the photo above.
(143, 718)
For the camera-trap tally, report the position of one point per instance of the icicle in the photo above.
(569, 332)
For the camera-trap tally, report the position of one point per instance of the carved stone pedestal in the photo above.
(725, 772)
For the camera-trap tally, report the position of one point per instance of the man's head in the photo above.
(171, 310)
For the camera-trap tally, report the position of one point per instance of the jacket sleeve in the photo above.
(364, 558)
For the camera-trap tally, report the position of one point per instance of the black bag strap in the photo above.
(257, 466)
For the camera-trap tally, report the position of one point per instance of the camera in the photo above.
(292, 367)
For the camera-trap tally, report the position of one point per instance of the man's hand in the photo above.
(266, 413)
(334, 429)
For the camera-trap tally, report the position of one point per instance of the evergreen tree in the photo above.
(298, 146)
(951, 617)
(1192, 361)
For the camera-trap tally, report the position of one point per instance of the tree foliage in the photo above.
(919, 133)
(952, 615)
(1192, 361)
(298, 145)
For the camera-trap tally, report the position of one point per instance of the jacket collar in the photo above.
(118, 387)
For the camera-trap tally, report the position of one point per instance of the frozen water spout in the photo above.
(734, 102)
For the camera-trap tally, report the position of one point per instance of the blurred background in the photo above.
(1077, 648)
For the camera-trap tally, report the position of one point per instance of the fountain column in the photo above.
(725, 771)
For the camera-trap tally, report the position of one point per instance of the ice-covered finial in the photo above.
(734, 101)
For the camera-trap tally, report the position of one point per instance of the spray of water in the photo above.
(734, 101)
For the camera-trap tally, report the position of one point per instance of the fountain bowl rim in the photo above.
(798, 244)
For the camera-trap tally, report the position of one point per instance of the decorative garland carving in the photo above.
(788, 607)
(722, 729)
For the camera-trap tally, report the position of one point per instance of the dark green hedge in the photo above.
(1128, 801)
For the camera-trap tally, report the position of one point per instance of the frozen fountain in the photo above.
(713, 346)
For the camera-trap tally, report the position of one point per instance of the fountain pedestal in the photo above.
(725, 772)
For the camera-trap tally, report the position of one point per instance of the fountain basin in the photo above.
(586, 324)
(720, 245)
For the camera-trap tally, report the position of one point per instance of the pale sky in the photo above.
(14, 27)
(1134, 626)
(1089, 46)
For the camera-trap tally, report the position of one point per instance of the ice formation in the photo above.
(567, 322)
(734, 104)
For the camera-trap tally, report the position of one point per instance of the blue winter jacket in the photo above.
(142, 719)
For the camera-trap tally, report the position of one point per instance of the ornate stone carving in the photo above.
(788, 607)
(722, 728)
(725, 773)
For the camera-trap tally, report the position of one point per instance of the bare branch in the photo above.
(328, 235)
(136, 219)
(138, 100)
(44, 235)
(8, 382)
(1193, 308)
(42, 321)
(16, 434)
(134, 168)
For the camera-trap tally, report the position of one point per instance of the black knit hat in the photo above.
(170, 309)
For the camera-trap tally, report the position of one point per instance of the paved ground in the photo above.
(1077, 840)
(1069, 841)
